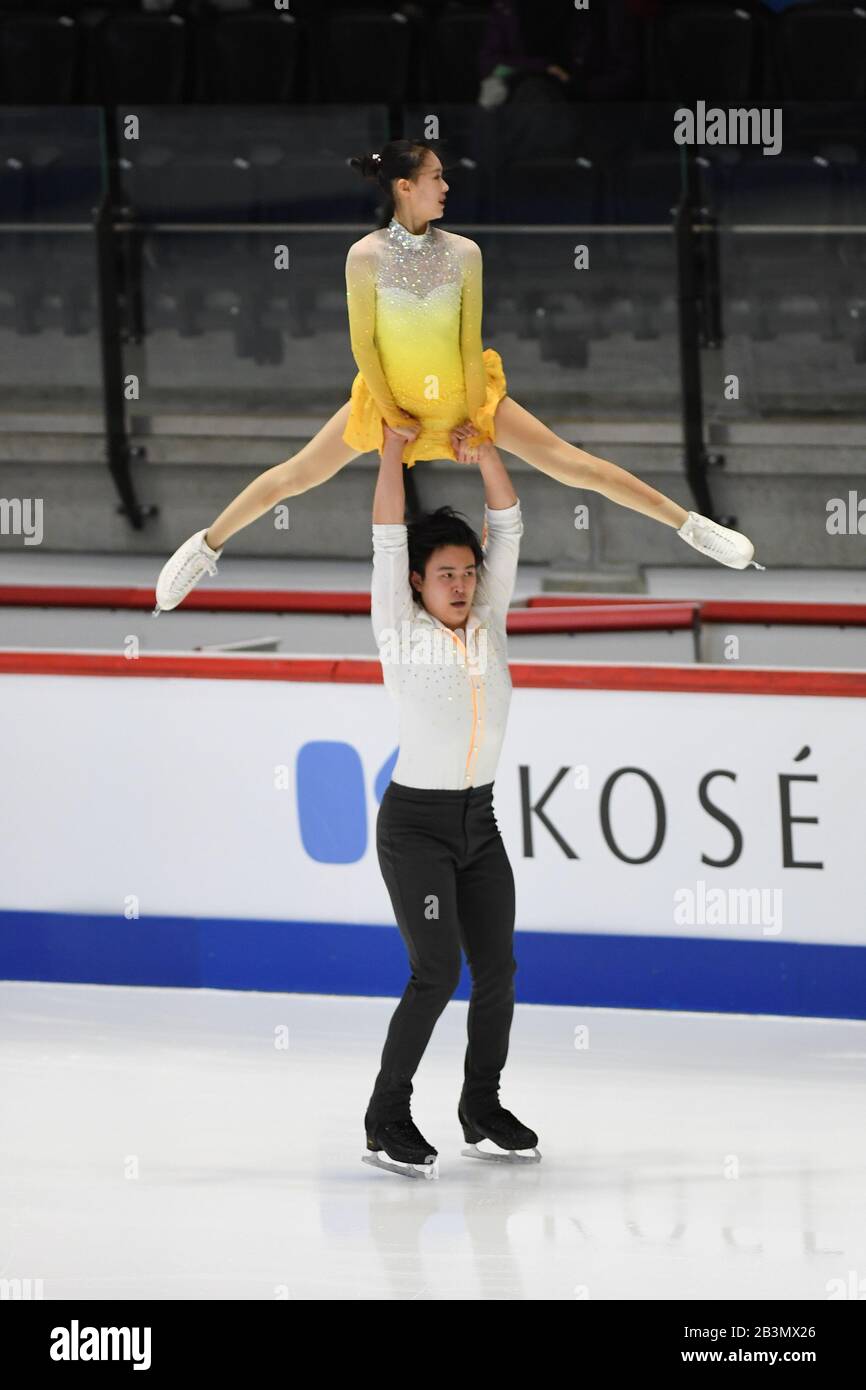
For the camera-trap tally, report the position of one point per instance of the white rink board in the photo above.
(165, 789)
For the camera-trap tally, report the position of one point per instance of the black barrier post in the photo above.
(694, 283)
(110, 278)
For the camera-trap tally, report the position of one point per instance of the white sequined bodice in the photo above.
(418, 264)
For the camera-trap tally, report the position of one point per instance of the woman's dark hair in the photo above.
(399, 159)
(434, 529)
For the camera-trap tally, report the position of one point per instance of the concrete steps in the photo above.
(777, 479)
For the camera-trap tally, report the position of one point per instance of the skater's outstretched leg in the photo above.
(320, 458)
(521, 433)
(323, 456)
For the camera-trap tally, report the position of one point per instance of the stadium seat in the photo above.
(139, 58)
(40, 58)
(248, 58)
(704, 51)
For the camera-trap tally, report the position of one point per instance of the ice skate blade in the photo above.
(501, 1155)
(407, 1170)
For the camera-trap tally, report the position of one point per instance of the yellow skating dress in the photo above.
(415, 328)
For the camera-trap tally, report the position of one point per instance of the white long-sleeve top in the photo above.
(453, 695)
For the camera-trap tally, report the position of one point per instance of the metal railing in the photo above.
(118, 237)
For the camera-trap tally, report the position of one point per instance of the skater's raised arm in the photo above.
(391, 592)
(361, 299)
(389, 499)
(504, 527)
(498, 488)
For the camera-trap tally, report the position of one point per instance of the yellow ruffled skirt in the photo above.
(364, 427)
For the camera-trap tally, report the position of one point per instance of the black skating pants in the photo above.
(451, 886)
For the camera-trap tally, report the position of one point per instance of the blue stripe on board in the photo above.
(592, 969)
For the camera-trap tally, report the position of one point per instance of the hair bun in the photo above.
(368, 165)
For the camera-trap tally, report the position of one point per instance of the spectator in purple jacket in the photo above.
(590, 54)
(541, 60)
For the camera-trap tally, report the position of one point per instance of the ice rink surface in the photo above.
(206, 1144)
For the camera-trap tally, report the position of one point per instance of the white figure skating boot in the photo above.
(729, 547)
(183, 571)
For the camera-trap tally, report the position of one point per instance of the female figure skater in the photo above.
(414, 296)
(438, 843)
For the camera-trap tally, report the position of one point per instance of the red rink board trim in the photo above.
(530, 618)
(212, 601)
(720, 610)
(605, 618)
(552, 675)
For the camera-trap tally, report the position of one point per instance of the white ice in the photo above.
(189, 1144)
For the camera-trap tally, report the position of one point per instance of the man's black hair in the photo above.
(434, 529)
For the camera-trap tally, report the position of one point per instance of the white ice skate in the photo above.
(182, 572)
(720, 543)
